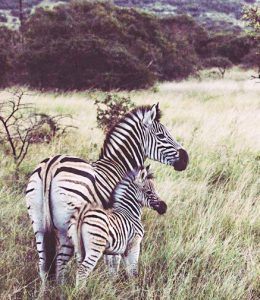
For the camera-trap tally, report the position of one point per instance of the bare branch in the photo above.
(21, 126)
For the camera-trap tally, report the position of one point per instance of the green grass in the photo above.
(207, 245)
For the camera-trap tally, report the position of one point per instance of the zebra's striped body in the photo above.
(61, 183)
(117, 231)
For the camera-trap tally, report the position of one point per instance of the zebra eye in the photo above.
(149, 193)
(160, 136)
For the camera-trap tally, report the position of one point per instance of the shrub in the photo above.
(110, 109)
(221, 63)
(20, 127)
(97, 45)
(226, 45)
(86, 45)
(178, 27)
(6, 54)
(251, 15)
(252, 60)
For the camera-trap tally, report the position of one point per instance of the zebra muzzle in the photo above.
(159, 206)
(182, 162)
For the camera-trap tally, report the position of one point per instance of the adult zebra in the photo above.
(60, 183)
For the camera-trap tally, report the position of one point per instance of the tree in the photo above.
(179, 27)
(233, 48)
(21, 126)
(86, 45)
(21, 12)
(251, 15)
(221, 63)
(6, 54)
(18, 125)
(252, 60)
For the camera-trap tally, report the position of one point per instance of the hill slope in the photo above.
(215, 15)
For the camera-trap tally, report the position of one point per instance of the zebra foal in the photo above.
(95, 231)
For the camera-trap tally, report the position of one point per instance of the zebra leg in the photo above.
(113, 263)
(61, 215)
(39, 237)
(87, 265)
(65, 252)
(131, 257)
(93, 247)
(34, 201)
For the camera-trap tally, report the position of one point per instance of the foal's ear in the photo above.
(141, 175)
(149, 174)
(151, 115)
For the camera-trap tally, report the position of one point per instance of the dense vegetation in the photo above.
(86, 45)
(215, 15)
(252, 17)
(102, 46)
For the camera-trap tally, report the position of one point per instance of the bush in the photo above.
(219, 62)
(179, 27)
(97, 45)
(88, 45)
(252, 60)
(6, 54)
(110, 109)
(20, 127)
(226, 45)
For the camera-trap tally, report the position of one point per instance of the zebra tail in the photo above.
(49, 242)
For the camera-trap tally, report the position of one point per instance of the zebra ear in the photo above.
(141, 175)
(151, 115)
(149, 174)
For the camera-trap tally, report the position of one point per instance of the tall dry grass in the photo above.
(207, 245)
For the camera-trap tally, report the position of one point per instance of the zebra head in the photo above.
(159, 144)
(147, 195)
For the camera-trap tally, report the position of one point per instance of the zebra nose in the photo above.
(159, 206)
(182, 162)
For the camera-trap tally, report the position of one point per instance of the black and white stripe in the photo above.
(117, 231)
(61, 183)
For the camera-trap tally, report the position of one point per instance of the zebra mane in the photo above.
(126, 181)
(136, 111)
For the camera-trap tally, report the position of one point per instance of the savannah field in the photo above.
(207, 244)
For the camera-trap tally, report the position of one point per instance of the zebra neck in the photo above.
(124, 145)
(108, 173)
(128, 207)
